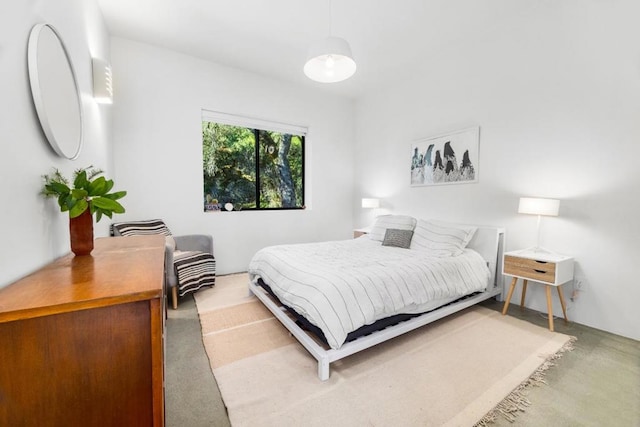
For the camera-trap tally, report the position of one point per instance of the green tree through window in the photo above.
(251, 168)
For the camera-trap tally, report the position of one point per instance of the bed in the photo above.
(341, 297)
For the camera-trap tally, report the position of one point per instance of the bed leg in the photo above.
(323, 369)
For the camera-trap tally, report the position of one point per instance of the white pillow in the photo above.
(384, 222)
(441, 239)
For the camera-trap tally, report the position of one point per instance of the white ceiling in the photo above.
(390, 39)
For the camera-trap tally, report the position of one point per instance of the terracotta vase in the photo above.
(81, 232)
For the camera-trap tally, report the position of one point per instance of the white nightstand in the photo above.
(547, 268)
(360, 231)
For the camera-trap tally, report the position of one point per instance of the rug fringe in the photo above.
(516, 402)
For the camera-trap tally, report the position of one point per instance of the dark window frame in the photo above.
(256, 133)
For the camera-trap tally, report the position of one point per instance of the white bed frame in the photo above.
(487, 241)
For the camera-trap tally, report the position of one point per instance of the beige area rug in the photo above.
(451, 372)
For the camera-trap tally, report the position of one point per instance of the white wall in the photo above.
(557, 100)
(157, 106)
(558, 105)
(34, 231)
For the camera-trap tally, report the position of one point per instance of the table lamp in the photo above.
(540, 207)
(371, 203)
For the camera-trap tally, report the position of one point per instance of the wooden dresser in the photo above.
(81, 340)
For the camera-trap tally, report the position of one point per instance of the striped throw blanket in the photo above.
(141, 228)
(194, 270)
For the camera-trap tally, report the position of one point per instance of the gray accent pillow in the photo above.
(397, 238)
(384, 222)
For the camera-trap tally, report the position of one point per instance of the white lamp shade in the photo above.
(371, 203)
(330, 61)
(537, 206)
(102, 81)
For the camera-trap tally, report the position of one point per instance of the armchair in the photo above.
(201, 243)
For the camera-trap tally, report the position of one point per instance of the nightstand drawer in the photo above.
(544, 271)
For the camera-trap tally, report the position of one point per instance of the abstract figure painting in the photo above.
(446, 159)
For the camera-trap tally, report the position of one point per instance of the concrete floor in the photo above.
(192, 398)
(596, 384)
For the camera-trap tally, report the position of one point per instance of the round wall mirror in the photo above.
(55, 91)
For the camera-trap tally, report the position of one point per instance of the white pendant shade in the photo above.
(330, 61)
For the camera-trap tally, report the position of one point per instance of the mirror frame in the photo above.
(62, 148)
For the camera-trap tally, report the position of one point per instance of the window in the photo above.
(251, 164)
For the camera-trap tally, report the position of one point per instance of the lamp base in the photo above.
(539, 250)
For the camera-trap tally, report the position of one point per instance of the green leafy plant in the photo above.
(89, 191)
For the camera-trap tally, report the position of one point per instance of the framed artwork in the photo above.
(451, 158)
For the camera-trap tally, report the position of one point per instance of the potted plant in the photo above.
(89, 194)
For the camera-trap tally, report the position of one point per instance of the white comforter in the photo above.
(343, 285)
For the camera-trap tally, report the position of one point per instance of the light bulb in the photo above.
(330, 61)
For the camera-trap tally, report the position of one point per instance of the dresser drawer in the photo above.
(533, 269)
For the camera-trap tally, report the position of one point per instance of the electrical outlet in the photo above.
(580, 284)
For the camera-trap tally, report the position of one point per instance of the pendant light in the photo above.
(330, 60)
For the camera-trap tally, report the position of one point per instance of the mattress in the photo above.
(341, 286)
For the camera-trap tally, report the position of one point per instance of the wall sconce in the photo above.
(371, 203)
(538, 206)
(102, 81)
